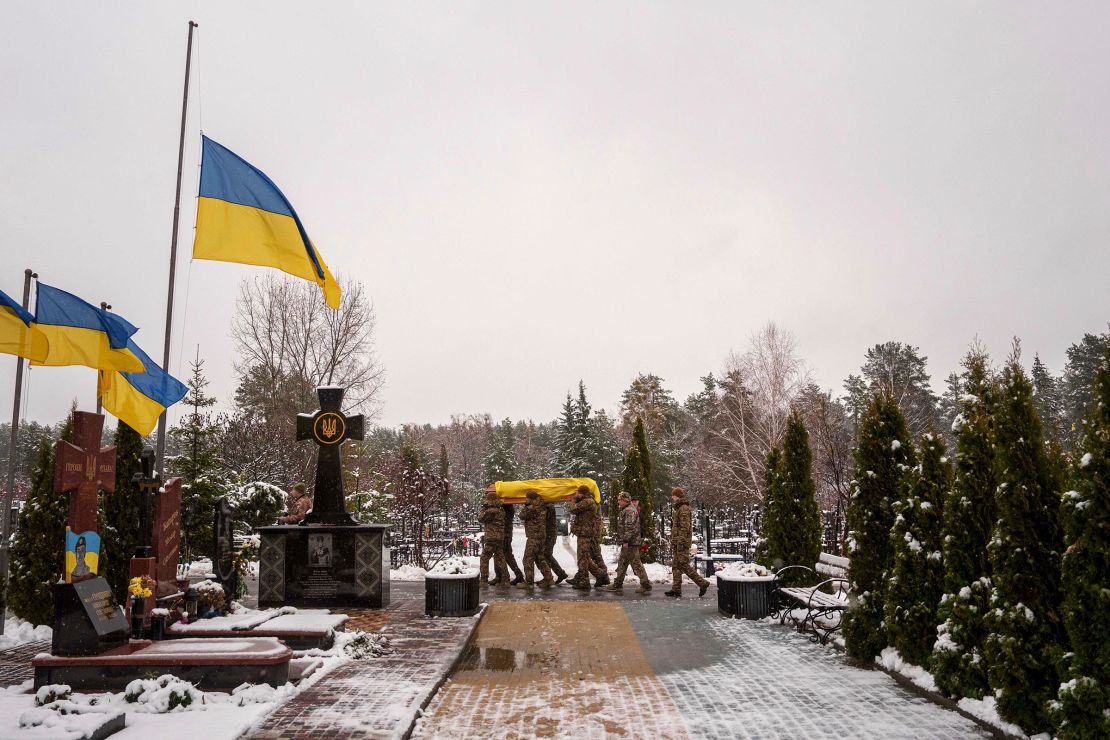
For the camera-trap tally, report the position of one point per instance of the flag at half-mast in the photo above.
(138, 399)
(79, 333)
(243, 217)
(18, 334)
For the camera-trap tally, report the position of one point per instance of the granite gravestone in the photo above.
(329, 559)
(223, 545)
(87, 620)
(82, 470)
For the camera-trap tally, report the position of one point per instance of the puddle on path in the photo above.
(501, 660)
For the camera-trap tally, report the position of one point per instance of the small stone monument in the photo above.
(329, 559)
(223, 541)
(159, 547)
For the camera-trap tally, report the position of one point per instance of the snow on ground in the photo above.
(565, 550)
(155, 707)
(18, 632)
(892, 661)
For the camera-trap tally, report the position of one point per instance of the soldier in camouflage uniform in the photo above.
(551, 537)
(535, 528)
(507, 543)
(682, 534)
(493, 520)
(584, 526)
(629, 539)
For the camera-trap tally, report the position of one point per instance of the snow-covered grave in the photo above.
(168, 707)
(298, 628)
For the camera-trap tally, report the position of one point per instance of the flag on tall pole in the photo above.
(138, 399)
(18, 335)
(79, 333)
(243, 217)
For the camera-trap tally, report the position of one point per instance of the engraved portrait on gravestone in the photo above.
(319, 550)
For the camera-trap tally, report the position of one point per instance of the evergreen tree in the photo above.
(768, 552)
(119, 513)
(1077, 383)
(636, 482)
(1024, 621)
(969, 513)
(883, 456)
(198, 465)
(1046, 398)
(898, 371)
(949, 407)
(613, 491)
(1080, 711)
(38, 549)
(570, 442)
(500, 460)
(917, 580)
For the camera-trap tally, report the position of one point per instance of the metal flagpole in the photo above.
(173, 245)
(104, 306)
(9, 490)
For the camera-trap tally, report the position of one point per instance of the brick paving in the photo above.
(380, 697)
(15, 663)
(553, 669)
(732, 678)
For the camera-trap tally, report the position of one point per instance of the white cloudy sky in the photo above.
(537, 194)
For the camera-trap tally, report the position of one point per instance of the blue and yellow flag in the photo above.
(243, 217)
(18, 336)
(79, 333)
(140, 398)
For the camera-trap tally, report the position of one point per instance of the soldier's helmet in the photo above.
(532, 494)
(491, 497)
(624, 496)
(583, 491)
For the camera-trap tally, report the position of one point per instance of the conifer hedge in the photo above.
(917, 578)
(767, 552)
(969, 512)
(882, 457)
(1082, 709)
(1025, 634)
(791, 522)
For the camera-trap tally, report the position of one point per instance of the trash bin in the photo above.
(450, 595)
(750, 597)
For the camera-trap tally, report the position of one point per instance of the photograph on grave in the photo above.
(82, 555)
(319, 555)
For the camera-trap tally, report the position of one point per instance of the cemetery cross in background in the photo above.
(329, 429)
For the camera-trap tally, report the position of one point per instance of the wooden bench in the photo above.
(823, 611)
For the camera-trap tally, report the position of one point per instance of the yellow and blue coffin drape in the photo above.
(18, 335)
(243, 217)
(138, 399)
(550, 489)
(79, 333)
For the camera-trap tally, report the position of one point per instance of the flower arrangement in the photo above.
(141, 587)
(210, 597)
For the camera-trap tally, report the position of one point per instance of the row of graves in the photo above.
(328, 561)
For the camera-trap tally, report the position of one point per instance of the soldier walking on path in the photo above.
(535, 528)
(682, 534)
(584, 527)
(492, 518)
(507, 543)
(629, 539)
(551, 537)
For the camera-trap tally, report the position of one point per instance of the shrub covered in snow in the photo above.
(52, 693)
(879, 468)
(1024, 622)
(363, 645)
(163, 694)
(914, 587)
(969, 513)
(1082, 707)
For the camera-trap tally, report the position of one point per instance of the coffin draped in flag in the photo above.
(18, 335)
(243, 217)
(138, 399)
(550, 489)
(79, 333)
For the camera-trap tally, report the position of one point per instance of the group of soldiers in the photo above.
(540, 529)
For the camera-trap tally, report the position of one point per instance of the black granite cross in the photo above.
(145, 484)
(329, 429)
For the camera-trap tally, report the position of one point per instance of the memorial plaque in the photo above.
(324, 566)
(87, 620)
(223, 545)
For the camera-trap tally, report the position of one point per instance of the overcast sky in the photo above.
(533, 195)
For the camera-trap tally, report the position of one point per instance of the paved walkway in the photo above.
(379, 697)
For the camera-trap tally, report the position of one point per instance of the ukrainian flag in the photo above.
(243, 217)
(17, 334)
(79, 333)
(140, 398)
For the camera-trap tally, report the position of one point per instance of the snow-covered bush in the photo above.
(52, 693)
(163, 694)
